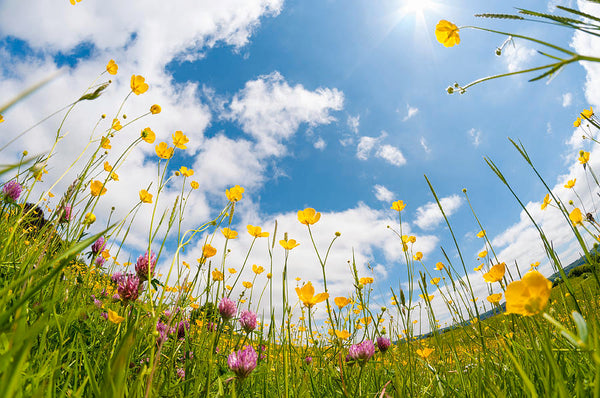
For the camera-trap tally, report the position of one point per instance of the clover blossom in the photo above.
(142, 268)
(12, 190)
(128, 287)
(362, 352)
(248, 321)
(243, 362)
(383, 343)
(98, 245)
(227, 308)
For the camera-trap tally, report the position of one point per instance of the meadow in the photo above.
(77, 320)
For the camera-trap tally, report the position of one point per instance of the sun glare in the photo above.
(417, 7)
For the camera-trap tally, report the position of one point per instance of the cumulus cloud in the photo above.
(353, 123)
(391, 154)
(429, 216)
(517, 56)
(410, 112)
(365, 146)
(567, 99)
(383, 194)
(320, 144)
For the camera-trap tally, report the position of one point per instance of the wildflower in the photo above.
(148, 135)
(447, 33)
(208, 251)
(256, 231)
(343, 334)
(234, 194)
(116, 125)
(418, 256)
(341, 302)
(73, 2)
(232, 270)
(546, 201)
(435, 281)
(182, 328)
(247, 285)
(217, 275)
(269, 275)
(494, 298)
(144, 266)
(308, 360)
(138, 85)
(12, 190)
(128, 287)
(577, 122)
(98, 245)
(114, 176)
(227, 308)
(257, 269)
(365, 281)
(576, 217)
(229, 233)
(398, 205)
(482, 254)
(105, 143)
(425, 352)
(242, 362)
(97, 188)
(155, 109)
(181, 373)
(179, 140)
(163, 151)
(306, 294)
(288, 244)
(429, 297)
(587, 113)
(145, 197)
(114, 317)
(89, 219)
(528, 296)
(571, 183)
(308, 216)
(478, 268)
(439, 266)
(481, 233)
(584, 157)
(194, 185)
(495, 274)
(107, 167)
(362, 352)
(383, 343)
(1, 119)
(248, 321)
(186, 172)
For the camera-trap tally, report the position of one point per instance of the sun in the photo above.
(416, 7)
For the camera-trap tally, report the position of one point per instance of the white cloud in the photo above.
(516, 56)
(429, 216)
(567, 99)
(383, 194)
(320, 144)
(424, 145)
(391, 155)
(270, 110)
(411, 111)
(365, 146)
(353, 123)
(475, 136)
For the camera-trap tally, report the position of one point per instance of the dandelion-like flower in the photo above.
(234, 194)
(12, 190)
(243, 362)
(306, 294)
(227, 308)
(447, 33)
(383, 343)
(362, 352)
(128, 287)
(141, 266)
(248, 321)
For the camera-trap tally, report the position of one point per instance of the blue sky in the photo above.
(336, 105)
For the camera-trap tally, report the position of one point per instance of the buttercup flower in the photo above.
(257, 269)
(227, 308)
(1, 118)
(247, 284)
(142, 268)
(439, 266)
(365, 281)
(194, 185)
(494, 298)
(145, 197)
(577, 122)
(576, 217)
(217, 275)
(256, 231)
(478, 268)
(138, 85)
(112, 67)
(426, 298)
(495, 274)
(242, 362)
(229, 233)
(155, 109)
(248, 321)
(584, 157)
(186, 172)
(116, 125)
(97, 188)
(208, 251)
(362, 352)
(341, 302)
(481, 233)
(528, 296)
(418, 256)
(308, 216)
(105, 143)
(288, 244)
(425, 352)
(179, 140)
(546, 202)
(234, 194)
(12, 190)
(587, 113)
(342, 334)
(398, 205)
(435, 281)
(306, 294)
(571, 183)
(482, 254)
(163, 151)
(115, 317)
(148, 135)
(89, 219)
(447, 33)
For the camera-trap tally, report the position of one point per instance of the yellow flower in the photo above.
(105, 143)
(342, 334)
(257, 269)
(587, 113)
(341, 302)
(546, 201)
(366, 281)
(418, 256)
(494, 298)
(478, 268)
(194, 185)
(73, 2)
(145, 197)
(584, 157)
(247, 285)
(447, 33)
(114, 176)
(186, 172)
(97, 188)
(425, 352)
(107, 167)
(90, 218)
(308, 216)
(429, 297)
(435, 281)
(482, 254)
(208, 251)
(229, 233)
(576, 217)
(112, 66)
(155, 109)
(180, 139)
(234, 194)
(114, 317)
(306, 294)
(535, 265)
(148, 135)
(1, 118)
(138, 85)
(412, 239)
(186, 264)
(571, 183)
(256, 231)
(439, 266)
(163, 151)
(577, 122)
(269, 275)
(116, 125)
(528, 296)
(398, 205)
(232, 270)
(288, 244)
(217, 275)
(481, 233)
(495, 274)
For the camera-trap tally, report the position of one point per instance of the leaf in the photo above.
(500, 16)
